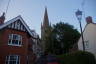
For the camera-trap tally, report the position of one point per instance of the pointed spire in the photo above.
(46, 20)
(2, 18)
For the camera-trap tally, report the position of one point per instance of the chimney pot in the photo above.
(2, 18)
(89, 19)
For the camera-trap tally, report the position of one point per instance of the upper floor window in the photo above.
(15, 39)
(12, 59)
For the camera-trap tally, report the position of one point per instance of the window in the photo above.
(12, 59)
(86, 44)
(15, 39)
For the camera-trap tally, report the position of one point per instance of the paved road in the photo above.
(48, 59)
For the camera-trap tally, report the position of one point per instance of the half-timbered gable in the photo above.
(17, 23)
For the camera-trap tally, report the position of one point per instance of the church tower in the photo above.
(44, 27)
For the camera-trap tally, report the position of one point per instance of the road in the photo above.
(48, 59)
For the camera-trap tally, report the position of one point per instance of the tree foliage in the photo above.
(61, 38)
(79, 57)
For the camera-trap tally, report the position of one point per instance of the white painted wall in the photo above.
(90, 36)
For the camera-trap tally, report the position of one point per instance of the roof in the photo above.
(13, 20)
(34, 33)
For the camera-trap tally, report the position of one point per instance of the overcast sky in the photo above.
(32, 11)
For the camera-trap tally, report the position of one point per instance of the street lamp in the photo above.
(79, 17)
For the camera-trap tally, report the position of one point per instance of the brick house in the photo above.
(15, 41)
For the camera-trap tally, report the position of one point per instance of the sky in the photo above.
(32, 11)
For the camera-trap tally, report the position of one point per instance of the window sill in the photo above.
(14, 45)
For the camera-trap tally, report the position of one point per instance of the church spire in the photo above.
(44, 29)
(45, 20)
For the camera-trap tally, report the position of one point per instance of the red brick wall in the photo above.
(31, 55)
(6, 49)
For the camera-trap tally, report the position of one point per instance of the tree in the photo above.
(78, 57)
(61, 38)
(49, 40)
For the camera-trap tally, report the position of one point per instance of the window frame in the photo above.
(19, 39)
(9, 59)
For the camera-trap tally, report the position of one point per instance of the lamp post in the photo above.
(79, 17)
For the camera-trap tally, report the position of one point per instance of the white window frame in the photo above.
(9, 59)
(11, 38)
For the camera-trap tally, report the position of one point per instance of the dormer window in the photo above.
(15, 40)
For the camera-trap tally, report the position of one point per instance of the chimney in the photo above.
(2, 18)
(89, 19)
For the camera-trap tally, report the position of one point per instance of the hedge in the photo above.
(79, 57)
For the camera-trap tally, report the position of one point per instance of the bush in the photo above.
(79, 57)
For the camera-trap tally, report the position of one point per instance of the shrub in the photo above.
(79, 57)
